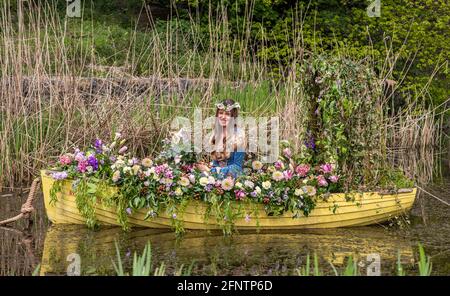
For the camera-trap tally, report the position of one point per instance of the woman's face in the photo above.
(224, 117)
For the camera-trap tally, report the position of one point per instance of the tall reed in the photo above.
(56, 92)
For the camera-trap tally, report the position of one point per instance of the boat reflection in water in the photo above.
(246, 253)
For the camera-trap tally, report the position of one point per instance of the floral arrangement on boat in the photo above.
(170, 180)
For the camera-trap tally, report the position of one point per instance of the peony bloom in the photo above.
(65, 159)
(203, 181)
(277, 176)
(266, 184)
(257, 165)
(59, 175)
(184, 181)
(334, 179)
(147, 162)
(310, 190)
(116, 176)
(298, 192)
(326, 168)
(302, 170)
(211, 180)
(322, 181)
(258, 189)
(288, 174)
(227, 184)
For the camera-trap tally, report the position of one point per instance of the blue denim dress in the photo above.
(233, 167)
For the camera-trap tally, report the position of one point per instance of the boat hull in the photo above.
(364, 209)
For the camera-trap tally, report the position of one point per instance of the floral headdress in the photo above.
(222, 106)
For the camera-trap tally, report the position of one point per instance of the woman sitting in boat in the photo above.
(227, 143)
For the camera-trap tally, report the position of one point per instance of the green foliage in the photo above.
(425, 265)
(345, 115)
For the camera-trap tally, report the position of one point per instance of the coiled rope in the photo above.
(27, 207)
(432, 195)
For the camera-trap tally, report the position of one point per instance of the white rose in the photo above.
(266, 184)
(203, 181)
(298, 192)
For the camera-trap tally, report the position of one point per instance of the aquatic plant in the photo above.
(142, 264)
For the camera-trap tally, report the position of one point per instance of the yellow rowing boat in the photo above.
(363, 209)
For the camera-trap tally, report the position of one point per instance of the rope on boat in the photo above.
(432, 195)
(27, 207)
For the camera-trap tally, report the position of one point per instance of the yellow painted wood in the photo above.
(364, 209)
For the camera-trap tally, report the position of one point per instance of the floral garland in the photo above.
(170, 180)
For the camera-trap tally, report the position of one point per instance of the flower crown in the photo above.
(222, 106)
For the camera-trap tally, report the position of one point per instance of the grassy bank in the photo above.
(39, 119)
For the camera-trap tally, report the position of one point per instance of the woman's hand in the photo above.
(202, 167)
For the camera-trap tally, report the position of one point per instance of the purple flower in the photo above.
(326, 168)
(128, 211)
(98, 145)
(278, 165)
(247, 218)
(168, 174)
(59, 175)
(93, 162)
(253, 193)
(310, 142)
(208, 187)
(174, 216)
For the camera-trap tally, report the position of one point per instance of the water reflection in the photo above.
(244, 254)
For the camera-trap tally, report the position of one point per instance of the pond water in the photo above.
(26, 245)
